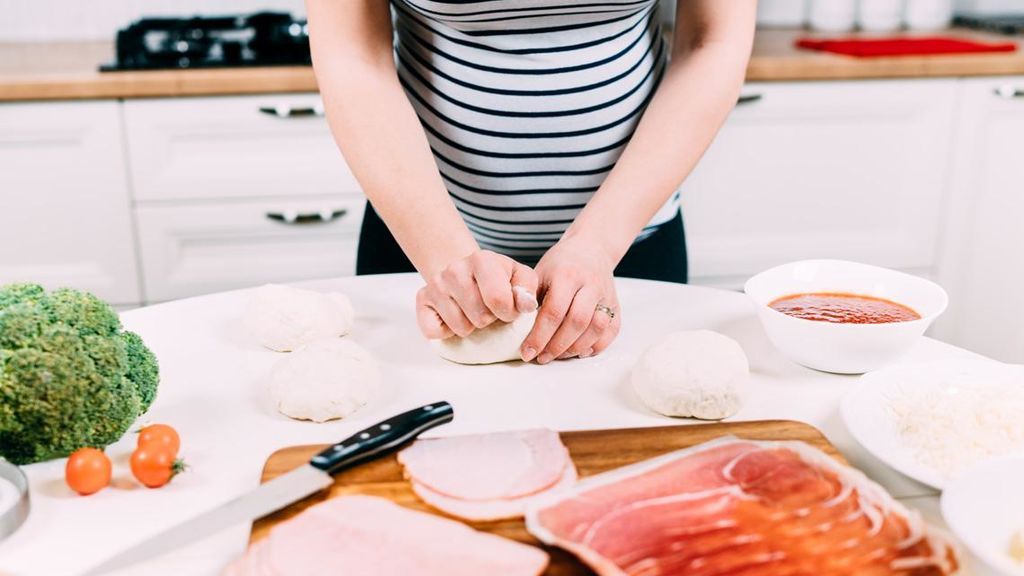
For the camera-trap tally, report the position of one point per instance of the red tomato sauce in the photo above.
(844, 308)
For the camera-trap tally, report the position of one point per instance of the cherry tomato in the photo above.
(154, 466)
(87, 471)
(160, 435)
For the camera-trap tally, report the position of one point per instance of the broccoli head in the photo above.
(70, 376)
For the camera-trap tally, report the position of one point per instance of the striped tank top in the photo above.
(527, 105)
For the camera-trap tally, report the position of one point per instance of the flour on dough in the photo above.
(284, 318)
(498, 342)
(696, 374)
(324, 380)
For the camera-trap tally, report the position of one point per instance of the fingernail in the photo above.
(525, 300)
(587, 353)
(545, 358)
(529, 353)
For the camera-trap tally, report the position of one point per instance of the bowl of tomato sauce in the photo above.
(844, 317)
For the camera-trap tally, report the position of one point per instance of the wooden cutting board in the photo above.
(593, 451)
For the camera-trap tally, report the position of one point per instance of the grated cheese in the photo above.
(1017, 546)
(955, 426)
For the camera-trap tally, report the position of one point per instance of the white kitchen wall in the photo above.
(55, 20)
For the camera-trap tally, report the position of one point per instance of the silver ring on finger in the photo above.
(606, 309)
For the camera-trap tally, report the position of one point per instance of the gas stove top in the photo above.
(1003, 24)
(262, 39)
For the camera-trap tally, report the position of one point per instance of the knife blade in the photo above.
(373, 442)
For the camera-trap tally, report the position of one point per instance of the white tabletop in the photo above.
(213, 391)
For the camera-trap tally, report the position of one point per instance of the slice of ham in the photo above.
(486, 510)
(487, 467)
(370, 536)
(739, 507)
(253, 563)
(261, 561)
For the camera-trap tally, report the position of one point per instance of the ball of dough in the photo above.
(695, 374)
(324, 380)
(498, 342)
(284, 318)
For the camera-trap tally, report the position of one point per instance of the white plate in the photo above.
(865, 408)
(984, 507)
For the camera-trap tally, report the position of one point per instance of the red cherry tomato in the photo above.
(160, 435)
(87, 471)
(154, 466)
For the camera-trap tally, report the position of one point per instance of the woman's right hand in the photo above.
(473, 292)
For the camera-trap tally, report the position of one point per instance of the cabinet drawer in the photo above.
(233, 147)
(65, 213)
(196, 249)
(853, 170)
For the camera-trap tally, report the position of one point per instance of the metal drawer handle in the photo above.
(289, 111)
(1009, 92)
(296, 217)
(749, 99)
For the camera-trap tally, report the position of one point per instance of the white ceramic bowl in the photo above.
(984, 507)
(844, 348)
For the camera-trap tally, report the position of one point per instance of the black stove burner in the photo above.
(1003, 24)
(263, 39)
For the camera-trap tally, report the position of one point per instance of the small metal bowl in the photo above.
(12, 517)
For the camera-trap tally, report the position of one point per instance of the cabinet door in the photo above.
(199, 248)
(852, 170)
(65, 216)
(233, 147)
(985, 236)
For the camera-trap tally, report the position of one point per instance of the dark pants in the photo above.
(661, 256)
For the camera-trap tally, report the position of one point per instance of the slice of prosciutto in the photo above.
(738, 507)
(370, 536)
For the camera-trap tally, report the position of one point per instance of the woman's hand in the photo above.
(579, 314)
(473, 292)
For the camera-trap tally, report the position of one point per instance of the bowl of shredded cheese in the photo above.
(933, 421)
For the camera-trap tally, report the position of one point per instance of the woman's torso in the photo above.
(527, 105)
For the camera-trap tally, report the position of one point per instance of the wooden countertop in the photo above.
(57, 71)
(69, 70)
(777, 58)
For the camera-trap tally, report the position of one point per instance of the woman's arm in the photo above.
(381, 138)
(379, 134)
(711, 48)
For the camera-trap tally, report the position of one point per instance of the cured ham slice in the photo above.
(481, 467)
(498, 509)
(735, 507)
(370, 536)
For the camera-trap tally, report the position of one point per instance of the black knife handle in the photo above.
(383, 437)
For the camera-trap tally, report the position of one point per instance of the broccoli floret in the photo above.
(143, 369)
(70, 377)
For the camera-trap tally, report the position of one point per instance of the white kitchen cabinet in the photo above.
(232, 147)
(65, 212)
(198, 248)
(984, 239)
(852, 170)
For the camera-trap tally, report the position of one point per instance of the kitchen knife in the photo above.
(373, 442)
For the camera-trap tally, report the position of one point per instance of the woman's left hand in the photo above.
(579, 313)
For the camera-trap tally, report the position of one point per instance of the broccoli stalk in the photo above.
(70, 376)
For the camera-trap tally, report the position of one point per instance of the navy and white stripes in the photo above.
(527, 105)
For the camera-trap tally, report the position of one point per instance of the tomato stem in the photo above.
(178, 467)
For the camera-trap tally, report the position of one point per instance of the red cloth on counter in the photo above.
(925, 46)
